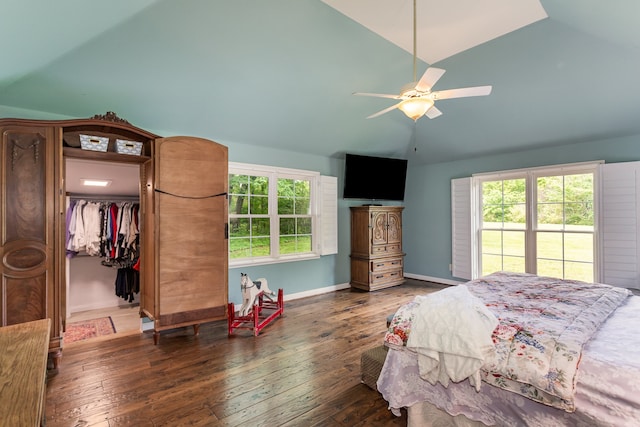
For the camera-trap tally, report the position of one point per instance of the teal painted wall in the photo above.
(426, 218)
(427, 214)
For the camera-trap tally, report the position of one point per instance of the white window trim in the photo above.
(321, 212)
(530, 174)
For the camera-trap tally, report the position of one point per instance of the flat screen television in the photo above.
(374, 178)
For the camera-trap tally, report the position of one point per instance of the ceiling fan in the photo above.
(417, 98)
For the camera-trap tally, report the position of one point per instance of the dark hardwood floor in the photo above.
(302, 370)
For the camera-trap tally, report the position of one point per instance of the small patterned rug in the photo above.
(85, 329)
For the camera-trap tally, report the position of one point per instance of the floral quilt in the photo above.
(543, 325)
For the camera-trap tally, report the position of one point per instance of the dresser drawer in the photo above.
(380, 249)
(386, 264)
(387, 276)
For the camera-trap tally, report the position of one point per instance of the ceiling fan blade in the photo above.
(429, 79)
(433, 112)
(386, 110)
(377, 95)
(462, 92)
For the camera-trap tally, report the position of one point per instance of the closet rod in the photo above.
(103, 198)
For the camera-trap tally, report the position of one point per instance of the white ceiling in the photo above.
(445, 28)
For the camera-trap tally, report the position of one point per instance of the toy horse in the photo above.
(250, 292)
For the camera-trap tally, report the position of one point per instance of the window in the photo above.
(586, 220)
(503, 225)
(273, 214)
(565, 226)
(249, 223)
(539, 221)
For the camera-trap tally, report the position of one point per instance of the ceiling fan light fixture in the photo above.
(414, 108)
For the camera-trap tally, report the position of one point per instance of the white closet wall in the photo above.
(92, 285)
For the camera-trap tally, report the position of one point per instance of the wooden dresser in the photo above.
(23, 371)
(376, 247)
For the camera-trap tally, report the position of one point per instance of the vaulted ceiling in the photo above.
(281, 73)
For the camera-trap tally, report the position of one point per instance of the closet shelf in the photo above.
(79, 153)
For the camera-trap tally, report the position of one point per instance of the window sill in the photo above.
(267, 260)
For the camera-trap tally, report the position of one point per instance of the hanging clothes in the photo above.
(109, 230)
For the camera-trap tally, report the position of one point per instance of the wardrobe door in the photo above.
(29, 222)
(191, 248)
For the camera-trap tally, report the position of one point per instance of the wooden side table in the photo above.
(23, 372)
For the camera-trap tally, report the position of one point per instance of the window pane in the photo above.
(238, 227)
(287, 244)
(304, 226)
(295, 244)
(492, 216)
(578, 188)
(239, 248)
(285, 206)
(304, 244)
(287, 226)
(515, 264)
(238, 205)
(260, 227)
(302, 188)
(259, 205)
(550, 216)
(238, 184)
(504, 204)
(578, 271)
(260, 246)
(514, 191)
(492, 192)
(302, 207)
(549, 245)
(578, 247)
(491, 242)
(550, 189)
(579, 214)
(259, 185)
(286, 187)
(491, 264)
(515, 216)
(513, 243)
(551, 268)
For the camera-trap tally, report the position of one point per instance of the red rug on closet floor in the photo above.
(85, 329)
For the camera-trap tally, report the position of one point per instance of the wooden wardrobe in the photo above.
(184, 260)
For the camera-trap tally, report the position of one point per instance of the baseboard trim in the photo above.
(341, 286)
(314, 292)
(434, 279)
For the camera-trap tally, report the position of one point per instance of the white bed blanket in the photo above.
(452, 336)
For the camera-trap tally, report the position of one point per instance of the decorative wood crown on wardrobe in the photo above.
(184, 260)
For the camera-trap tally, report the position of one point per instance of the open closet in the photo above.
(183, 220)
(102, 254)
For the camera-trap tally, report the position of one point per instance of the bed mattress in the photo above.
(607, 387)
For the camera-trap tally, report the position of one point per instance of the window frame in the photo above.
(275, 173)
(531, 227)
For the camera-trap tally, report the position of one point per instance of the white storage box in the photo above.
(128, 147)
(94, 143)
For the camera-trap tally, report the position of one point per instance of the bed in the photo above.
(560, 353)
